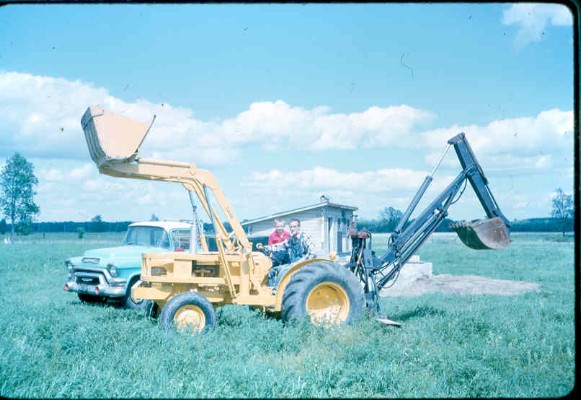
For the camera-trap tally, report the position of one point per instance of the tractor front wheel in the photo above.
(325, 293)
(151, 310)
(188, 312)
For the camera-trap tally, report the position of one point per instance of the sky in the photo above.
(286, 102)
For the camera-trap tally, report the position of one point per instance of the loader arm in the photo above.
(193, 179)
(114, 140)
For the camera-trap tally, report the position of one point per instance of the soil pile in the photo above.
(460, 284)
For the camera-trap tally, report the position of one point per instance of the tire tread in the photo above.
(294, 297)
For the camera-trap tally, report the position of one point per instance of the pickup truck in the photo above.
(109, 273)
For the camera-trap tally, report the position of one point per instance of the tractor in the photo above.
(183, 289)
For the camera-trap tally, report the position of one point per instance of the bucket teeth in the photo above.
(488, 234)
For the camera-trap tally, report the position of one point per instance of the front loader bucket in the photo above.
(112, 137)
(484, 234)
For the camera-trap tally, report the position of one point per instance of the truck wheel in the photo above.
(324, 293)
(89, 298)
(128, 301)
(188, 312)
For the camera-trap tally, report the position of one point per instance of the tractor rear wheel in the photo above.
(325, 294)
(188, 312)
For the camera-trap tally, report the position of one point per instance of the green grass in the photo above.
(458, 346)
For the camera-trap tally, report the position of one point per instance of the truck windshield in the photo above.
(147, 236)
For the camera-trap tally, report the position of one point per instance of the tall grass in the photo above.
(459, 346)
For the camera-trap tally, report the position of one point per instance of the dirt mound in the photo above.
(460, 284)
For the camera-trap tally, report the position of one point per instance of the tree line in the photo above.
(79, 227)
(372, 225)
(18, 183)
(549, 224)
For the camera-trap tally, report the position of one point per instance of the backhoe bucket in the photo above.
(484, 234)
(112, 137)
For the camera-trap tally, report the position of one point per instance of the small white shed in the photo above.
(327, 224)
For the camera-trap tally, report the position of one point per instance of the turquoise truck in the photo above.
(109, 273)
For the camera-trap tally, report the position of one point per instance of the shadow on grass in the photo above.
(418, 312)
(103, 303)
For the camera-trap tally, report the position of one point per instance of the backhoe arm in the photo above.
(491, 233)
(476, 177)
(402, 246)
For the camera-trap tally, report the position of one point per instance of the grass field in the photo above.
(53, 346)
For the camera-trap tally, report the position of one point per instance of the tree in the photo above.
(563, 209)
(154, 217)
(390, 218)
(97, 224)
(17, 182)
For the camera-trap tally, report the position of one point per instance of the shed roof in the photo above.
(297, 210)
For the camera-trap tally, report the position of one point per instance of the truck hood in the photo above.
(121, 254)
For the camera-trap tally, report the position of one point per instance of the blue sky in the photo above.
(284, 103)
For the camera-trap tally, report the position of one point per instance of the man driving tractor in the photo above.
(299, 246)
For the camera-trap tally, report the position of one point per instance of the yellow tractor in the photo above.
(185, 287)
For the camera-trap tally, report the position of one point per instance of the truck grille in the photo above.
(88, 280)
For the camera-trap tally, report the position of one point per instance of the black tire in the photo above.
(151, 310)
(128, 302)
(188, 312)
(89, 298)
(323, 293)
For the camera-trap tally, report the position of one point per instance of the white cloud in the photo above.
(41, 118)
(375, 126)
(532, 20)
(526, 144)
(83, 172)
(74, 190)
(376, 189)
(325, 179)
(276, 124)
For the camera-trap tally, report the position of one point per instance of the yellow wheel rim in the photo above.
(190, 318)
(328, 303)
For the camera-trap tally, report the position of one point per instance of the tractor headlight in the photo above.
(112, 270)
(158, 271)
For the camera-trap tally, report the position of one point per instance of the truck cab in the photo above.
(109, 273)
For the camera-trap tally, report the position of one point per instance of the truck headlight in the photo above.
(112, 270)
(69, 267)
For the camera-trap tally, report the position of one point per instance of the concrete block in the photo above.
(411, 272)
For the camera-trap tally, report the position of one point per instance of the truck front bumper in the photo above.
(95, 284)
